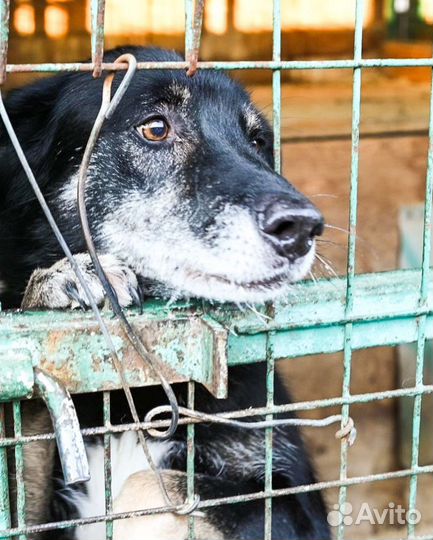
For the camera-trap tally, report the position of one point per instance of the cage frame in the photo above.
(342, 314)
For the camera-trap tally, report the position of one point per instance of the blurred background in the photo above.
(316, 127)
(233, 29)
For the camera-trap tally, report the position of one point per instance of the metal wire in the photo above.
(367, 63)
(107, 108)
(348, 431)
(245, 413)
(210, 503)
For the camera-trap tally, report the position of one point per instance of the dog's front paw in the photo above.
(58, 287)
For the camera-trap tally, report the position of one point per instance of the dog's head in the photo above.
(181, 185)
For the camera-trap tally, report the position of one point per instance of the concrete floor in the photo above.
(392, 174)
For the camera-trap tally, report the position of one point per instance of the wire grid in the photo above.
(346, 399)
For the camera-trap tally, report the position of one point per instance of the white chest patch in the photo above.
(127, 458)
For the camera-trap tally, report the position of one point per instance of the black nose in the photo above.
(291, 227)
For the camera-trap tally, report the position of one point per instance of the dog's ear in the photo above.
(30, 110)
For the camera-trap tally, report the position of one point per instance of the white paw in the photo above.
(58, 287)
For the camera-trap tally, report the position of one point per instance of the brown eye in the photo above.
(154, 130)
(258, 143)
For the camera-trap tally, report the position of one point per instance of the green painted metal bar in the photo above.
(351, 249)
(245, 413)
(427, 234)
(16, 378)
(210, 503)
(416, 420)
(190, 465)
(5, 514)
(423, 300)
(241, 65)
(270, 378)
(19, 470)
(107, 465)
(189, 34)
(4, 37)
(73, 350)
(311, 321)
(190, 461)
(276, 84)
(270, 360)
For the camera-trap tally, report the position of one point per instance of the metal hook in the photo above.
(120, 92)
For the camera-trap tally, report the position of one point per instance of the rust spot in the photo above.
(54, 340)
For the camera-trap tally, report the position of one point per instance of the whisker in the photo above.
(329, 226)
(313, 277)
(326, 265)
(261, 316)
(240, 307)
(332, 242)
(329, 195)
(324, 276)
(372, 251)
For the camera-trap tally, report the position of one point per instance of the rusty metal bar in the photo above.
(193, 37)
(97, 18)
(4, 37)
(230, 66)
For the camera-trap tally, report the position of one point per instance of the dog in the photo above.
(183, 202)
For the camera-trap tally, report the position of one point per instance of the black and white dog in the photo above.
(183, 201)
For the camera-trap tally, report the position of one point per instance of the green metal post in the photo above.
(423, 301)
(19, 470)
(351, 257)
(107, 465)
(189, 33)
(276, 84)
(270, 377)
(190, 464)
(5, 515)
(270, 359)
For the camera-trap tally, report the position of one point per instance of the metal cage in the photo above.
(199, 342)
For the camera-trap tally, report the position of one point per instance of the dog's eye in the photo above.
(154, 130)
(258, 143)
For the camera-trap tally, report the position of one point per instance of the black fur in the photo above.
(53, 119)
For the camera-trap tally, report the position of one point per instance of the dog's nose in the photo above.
(291, 228)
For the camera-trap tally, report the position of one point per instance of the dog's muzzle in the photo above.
(289, 227)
